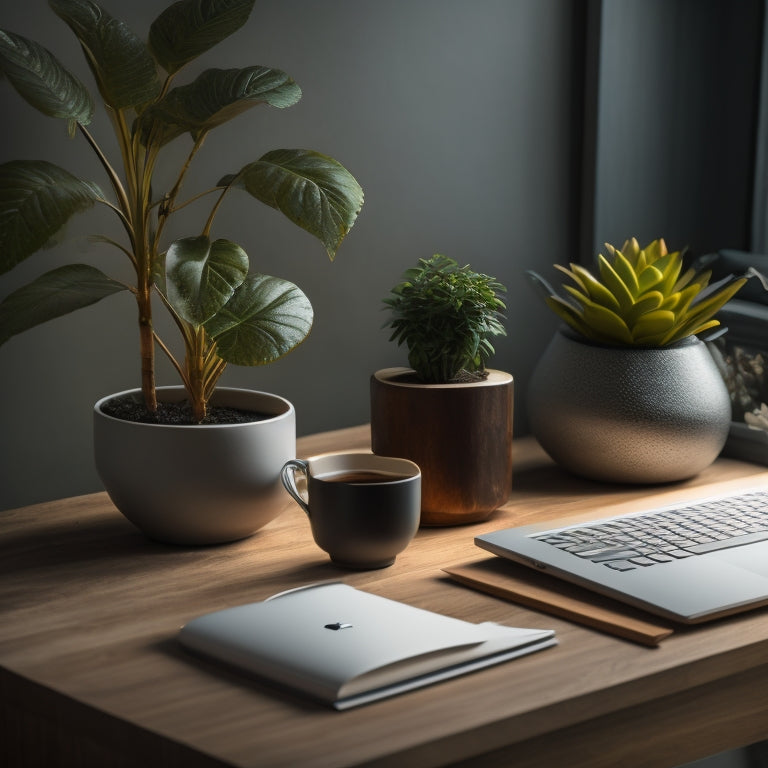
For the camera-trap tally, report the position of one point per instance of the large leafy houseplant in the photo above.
(224, 313)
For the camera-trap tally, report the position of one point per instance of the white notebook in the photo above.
(347, 647)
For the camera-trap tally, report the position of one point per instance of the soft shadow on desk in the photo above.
(221, 672)
(92, 541)
(551, 480)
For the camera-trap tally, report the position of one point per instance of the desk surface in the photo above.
(90, 673)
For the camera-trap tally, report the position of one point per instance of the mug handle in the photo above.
(288, 476)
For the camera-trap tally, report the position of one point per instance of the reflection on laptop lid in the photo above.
(687, 562)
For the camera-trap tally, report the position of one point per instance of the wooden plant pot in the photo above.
(460, 435)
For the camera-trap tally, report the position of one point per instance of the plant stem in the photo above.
(195, 365)
(114, 179)
(182, 373)
(147, 348)
(167, 207)
(214, 211)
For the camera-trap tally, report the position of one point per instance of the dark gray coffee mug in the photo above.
(363, 509)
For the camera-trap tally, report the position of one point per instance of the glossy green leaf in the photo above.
(119, 59)
(570, 315)
(649, 278)
(688, 329)
(596, 290)
(626, 272)
(687, 277)
(607, 325)
(189, 28)
(202, 276)
(216, 96)
(56, 293)
(614, 283)
(653, 324)
(313, 190)
(682, 299)
(581, 297)
(43, 81)
(670, 265)
(265, 319)
(573, 275)
(37, 199)
(650, 301)
(712, 302)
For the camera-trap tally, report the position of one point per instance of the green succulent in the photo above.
(445, 315)
(641, 298)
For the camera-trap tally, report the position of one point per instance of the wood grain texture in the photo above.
(91, 674)
(466, 466)
(502, 578)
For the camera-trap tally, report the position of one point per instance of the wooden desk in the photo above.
(90, 673)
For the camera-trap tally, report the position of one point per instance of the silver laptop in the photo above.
(688, 562)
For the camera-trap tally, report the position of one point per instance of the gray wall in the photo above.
(464, 120)
(455, 116)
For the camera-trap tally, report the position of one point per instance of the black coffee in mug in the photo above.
(362, 477)
(363, 509)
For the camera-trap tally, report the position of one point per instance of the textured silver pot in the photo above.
(627, 414)
(197, 484)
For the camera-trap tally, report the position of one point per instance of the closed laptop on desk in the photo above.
(688, 562)
(348, 647)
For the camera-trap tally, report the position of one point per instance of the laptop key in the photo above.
(643, 561)
(735, 541)
(615, 554)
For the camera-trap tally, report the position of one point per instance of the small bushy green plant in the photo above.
(445, 315)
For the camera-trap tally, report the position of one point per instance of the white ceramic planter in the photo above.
(197, 484)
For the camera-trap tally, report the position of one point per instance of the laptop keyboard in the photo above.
(662, 536)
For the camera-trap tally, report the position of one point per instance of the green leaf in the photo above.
(596, 290)
(202, 276)
(52, 295)
(36, 199)
(188, 28)
(682, 332)
(607, 325)
(614, 283)
(650, 301)
(573, 275)
(120, 61)
(570, 315)
(314, 191)
(653, 325)
(216, 96)
(649, 278)
(43, 81)
(626, 272)
(709, 302)
(265, 319)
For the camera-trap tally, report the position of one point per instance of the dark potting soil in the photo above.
(178, 414)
